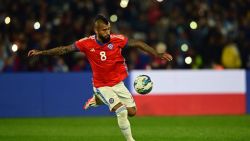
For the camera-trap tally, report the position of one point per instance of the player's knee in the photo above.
(117, 106)
(131, 114)
(131, 111)
(122, 112)
(122, 117)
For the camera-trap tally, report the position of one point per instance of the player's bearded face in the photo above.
(105, 38)
(104, 32)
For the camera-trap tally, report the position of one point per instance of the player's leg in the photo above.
(123, 122)
(126, 98)
(123, 94)
(94, 101)
(110, 98)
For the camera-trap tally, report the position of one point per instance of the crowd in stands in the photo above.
(200, 34)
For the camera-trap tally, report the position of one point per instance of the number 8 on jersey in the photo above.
(103, 55)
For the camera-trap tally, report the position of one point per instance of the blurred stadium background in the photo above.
(203, 94)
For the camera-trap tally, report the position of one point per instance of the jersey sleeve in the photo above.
(81, 44)
(124, 42)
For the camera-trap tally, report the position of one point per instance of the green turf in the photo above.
(193, 128)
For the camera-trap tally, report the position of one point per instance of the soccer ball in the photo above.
(143, 84)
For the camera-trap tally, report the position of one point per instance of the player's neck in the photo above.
(99, 40)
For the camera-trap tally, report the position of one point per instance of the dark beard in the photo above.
(105, 40)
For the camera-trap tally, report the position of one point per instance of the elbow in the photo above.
(136, 43)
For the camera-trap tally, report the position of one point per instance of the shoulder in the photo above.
(118, 37)
(85, 42)
(87, 39)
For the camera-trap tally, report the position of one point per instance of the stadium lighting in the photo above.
(193, 25)
(7, 20)
(36, 25)
(124, 3)
(184, 47)
(188, 60)
(159, 0)
(14, 47)
(113, 18)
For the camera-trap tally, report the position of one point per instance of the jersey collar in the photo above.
(98, 42)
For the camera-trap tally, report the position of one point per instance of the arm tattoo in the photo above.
(58, 50)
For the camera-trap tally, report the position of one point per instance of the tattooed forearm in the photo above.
(58, 50)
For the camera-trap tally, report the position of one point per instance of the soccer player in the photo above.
(103, 51)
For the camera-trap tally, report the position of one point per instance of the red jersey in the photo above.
(107, 63)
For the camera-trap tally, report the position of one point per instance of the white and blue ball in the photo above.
(143, 84)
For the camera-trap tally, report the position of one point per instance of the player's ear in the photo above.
(95, 27)
(95, 30)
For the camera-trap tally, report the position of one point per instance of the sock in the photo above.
(123, 122)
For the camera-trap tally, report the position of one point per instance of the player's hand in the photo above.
(34, 52)
(165, 56)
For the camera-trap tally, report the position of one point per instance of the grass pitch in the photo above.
(190, 128)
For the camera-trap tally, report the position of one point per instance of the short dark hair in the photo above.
(102, 18)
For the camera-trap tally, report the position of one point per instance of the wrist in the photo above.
(40, 53)
(159, 55)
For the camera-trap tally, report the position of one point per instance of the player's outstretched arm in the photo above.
(143, 46)
(54, 51)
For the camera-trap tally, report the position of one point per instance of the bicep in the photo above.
(132, 43)
(135, 43)
(69, 49)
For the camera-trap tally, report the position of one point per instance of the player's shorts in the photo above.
(111, 96)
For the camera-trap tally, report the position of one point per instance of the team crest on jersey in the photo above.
(111, 100)
(110, 46)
